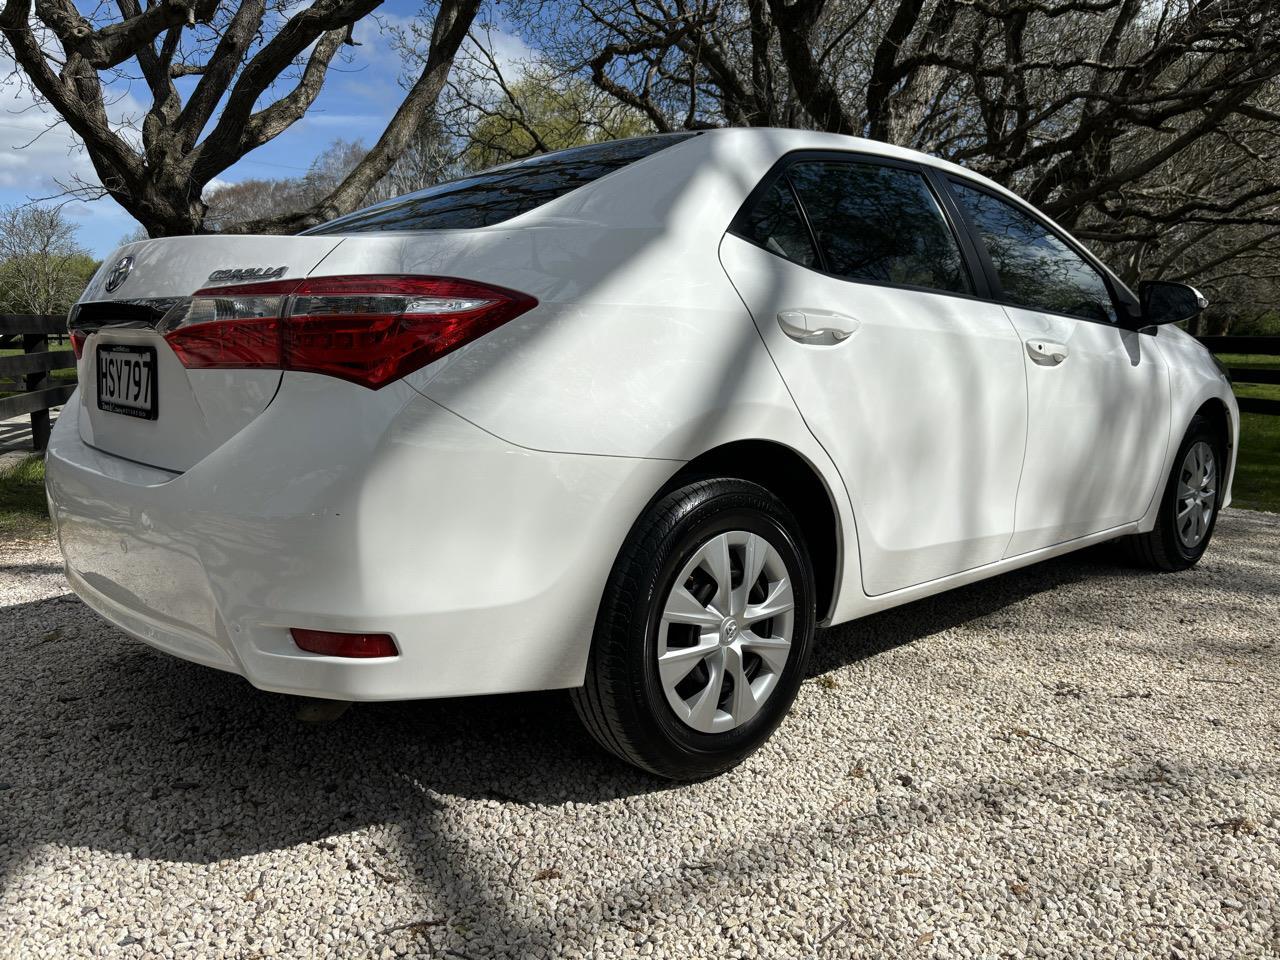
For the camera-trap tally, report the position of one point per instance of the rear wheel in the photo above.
(1189, 505)
(704, 631)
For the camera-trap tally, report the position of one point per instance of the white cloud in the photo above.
(514, 56)
(39, 155)
(37, 150)
(213, 186)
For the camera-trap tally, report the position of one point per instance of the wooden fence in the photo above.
(38, 391)
(33, 390)
(1253, 347)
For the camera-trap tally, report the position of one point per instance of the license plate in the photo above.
(127, 380)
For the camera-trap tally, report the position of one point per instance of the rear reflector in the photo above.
(371, 330)
(360, 645)
(77, 344)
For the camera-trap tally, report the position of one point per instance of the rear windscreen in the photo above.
(501, 193)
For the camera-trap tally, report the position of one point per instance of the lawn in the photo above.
(1257, 483)
(23, 510)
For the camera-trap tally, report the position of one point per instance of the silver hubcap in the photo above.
(725, 632)
(1197, 494)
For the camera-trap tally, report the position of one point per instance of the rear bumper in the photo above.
(345, 509)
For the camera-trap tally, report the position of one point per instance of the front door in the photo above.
(913, 385)
(1098, 393)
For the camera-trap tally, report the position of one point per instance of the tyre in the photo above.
(704, 631)
(1188, 506)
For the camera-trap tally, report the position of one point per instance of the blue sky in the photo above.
(358, 98)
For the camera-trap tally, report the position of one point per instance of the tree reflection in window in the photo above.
(1036, 268)
(774, 222)
(880, 224)
(501, 193)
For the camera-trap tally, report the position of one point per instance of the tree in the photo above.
(264, 199)
(426, 160)
(42, 268)
(500, 112)
(539, 114)
(1151, 130)
(241, 52)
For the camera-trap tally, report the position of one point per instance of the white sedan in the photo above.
(629, 419)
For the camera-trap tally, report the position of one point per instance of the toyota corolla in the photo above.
(630, 419)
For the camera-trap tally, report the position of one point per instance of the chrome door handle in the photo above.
(819, 327)
(1046, 352)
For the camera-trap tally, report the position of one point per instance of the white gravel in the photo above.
(1075, 760)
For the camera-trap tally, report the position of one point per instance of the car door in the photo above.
(872, 308)
(1098, 393)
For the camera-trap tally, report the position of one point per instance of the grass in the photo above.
(1257, 482)
(1255, 361)
(23, 509)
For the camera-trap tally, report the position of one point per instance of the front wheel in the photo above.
(1189, 505)
(704, 631)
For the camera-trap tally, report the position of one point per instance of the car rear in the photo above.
(250, 478)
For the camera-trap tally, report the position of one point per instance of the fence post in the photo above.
(35, 343)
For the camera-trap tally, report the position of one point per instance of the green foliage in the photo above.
(562, 113)
(42, 268)
(1263, 325)
(66, 290)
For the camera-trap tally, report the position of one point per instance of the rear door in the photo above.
(1098, 393)
(137, 400)
(871, 306)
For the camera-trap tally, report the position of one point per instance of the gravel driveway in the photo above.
(1073, 760)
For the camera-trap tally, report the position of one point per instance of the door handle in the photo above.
(820, 327)
(1046, 352)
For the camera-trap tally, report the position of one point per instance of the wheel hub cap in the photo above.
(728, 631)
(725, 631)
(1197, 494)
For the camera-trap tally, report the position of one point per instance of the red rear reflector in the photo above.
(371, 330)
(77, 344)
(344, 644)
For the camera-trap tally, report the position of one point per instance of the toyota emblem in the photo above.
(119, 273)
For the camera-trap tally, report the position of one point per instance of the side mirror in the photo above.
(1166, 302)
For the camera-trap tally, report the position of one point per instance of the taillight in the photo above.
(77, 344)
(370, 330)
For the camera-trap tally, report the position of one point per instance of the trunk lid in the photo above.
(137, 400)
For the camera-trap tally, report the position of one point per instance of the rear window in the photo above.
(501, 193)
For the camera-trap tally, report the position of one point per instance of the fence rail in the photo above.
(30, 370)
(1251, 347)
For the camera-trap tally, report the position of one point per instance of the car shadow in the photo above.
(881, 632)
(111, 744)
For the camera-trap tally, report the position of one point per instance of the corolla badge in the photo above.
(247, 273)
(119, 273)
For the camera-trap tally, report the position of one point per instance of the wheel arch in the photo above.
(1215, 411)
(795, 480)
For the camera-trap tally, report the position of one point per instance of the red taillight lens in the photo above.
(370, 330)
(77, 344)
(229, 327)
(358, 645)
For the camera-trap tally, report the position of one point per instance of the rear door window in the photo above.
(879, 224)
(501, 193)
(774, 222)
